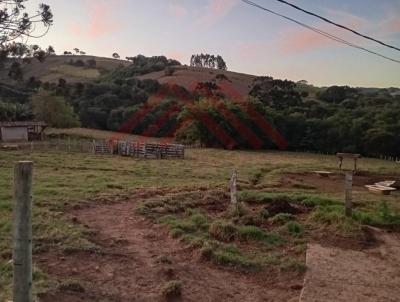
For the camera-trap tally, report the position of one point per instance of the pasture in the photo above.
(112, 229)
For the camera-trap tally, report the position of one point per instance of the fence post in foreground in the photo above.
(233, 187)
(22, 232)
(348, 193)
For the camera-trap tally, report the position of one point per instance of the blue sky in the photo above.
(250, 40)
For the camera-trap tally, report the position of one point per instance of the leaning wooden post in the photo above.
(233, 188)
(348, 193)
(22, 232)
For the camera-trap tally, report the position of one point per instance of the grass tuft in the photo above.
(223, 230)
(71, 286)
(172, 290)
(281, 218)
(295, 228)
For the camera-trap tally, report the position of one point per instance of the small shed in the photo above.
(21, 131)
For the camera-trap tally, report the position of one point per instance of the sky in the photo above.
(250, 40)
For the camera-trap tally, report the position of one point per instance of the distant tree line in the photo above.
(208, 61)
(332, 119)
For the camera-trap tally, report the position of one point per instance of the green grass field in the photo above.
(62, 180)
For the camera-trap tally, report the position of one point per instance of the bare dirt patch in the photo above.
(137, 259)
(345, 275)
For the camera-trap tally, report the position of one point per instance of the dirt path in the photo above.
(346, 275)
(139, 258)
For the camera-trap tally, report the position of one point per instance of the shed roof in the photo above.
(22, 124)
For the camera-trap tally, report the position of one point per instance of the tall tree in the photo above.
(17, 23)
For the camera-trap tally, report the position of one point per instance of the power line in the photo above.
(321, 32)
(338, 25)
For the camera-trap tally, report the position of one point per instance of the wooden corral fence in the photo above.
(139, 149)
(123, 148)
(68, 145)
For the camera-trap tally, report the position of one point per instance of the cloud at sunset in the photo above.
(177, 11)
(216, 10)
(100, 20)
(298, 39)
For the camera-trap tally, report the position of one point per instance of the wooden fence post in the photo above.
(348, 193)
(233, 187)
(22, 232)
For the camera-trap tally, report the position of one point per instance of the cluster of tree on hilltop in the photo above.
(208, 61)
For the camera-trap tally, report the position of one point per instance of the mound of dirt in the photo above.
(281, 206)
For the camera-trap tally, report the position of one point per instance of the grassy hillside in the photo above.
(56, 67)
(237, 84)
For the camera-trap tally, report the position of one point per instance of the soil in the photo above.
(138, 258)
(281, 206)
(345, 275)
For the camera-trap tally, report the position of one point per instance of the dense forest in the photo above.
(276, 114)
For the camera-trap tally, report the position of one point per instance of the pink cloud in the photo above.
(298, 39)
(100, 21)
(177, 11)
(390, 26)
(216, 10)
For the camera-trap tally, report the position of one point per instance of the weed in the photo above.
(299, 198)
(193, 240)
(172, 290)
(382, 216)
(295, 228)
(254, 233)
(200, 221)
(264, 214)
(292, 265)
(177, 233)
(335, 216)
(238, 210)
(281, 218)
(223, 230)
(71, 286)
(251, 219)
(256, 177)
(164, 259)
